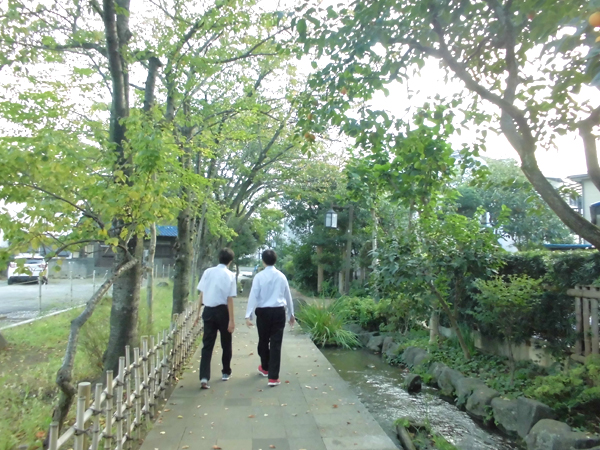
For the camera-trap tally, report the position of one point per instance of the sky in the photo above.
(568, 159)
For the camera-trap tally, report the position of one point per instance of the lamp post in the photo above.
(331, 222)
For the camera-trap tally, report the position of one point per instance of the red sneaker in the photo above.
(274, 382)
(263, 372)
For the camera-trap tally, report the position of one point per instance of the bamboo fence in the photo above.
(586, 318)
(115, 418)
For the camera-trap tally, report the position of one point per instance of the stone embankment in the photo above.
(534, 422)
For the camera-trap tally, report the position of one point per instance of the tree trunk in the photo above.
(3, 342)
(125, 307)
(181, 279)
(551, 196)
(348, 265)
(434, 326)
(453, 321)
(65, 373)
(150, 273)
(375, 263)
(319, 269)
(196, 250)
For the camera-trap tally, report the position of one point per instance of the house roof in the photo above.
(166, 230)
(578, 178)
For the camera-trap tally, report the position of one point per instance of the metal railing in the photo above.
(586, 318)
(130, 399)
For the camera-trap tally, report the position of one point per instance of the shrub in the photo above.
(325, 324)
(573, 394)
(505, 307)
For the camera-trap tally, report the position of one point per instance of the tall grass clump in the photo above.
(325, 324)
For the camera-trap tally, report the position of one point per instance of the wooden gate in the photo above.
(586, 318)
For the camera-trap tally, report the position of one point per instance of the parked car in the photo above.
(34, 267)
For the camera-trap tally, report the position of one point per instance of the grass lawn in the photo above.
(28, 367)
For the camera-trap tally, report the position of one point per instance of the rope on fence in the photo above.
(130, 399)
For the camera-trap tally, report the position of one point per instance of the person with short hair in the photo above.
(269, 297)
(217, 287)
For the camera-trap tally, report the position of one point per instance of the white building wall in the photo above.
(590, 196)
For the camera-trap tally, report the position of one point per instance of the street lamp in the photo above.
(331, 219)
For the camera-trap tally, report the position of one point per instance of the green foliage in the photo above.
(530, 222)
(505, 305)
(325, 324)
(574, 394)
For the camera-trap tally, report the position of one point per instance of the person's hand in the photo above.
(231, 326)
(249, 323)
(292, 321)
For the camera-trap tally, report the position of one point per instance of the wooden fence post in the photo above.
(128, 404)
(579, 326)
(83, 392)
(119, 416)
(96, 417)
(53, 437)
(595, 331)
(108, 411)
(137, 390)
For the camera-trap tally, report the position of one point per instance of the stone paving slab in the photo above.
(312, 409)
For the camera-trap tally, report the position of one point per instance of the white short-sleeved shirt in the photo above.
(270, 289)
(216, 284)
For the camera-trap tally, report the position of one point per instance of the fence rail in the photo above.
(586, 318)
(130, 399)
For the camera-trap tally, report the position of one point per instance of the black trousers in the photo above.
(270, 323)
(216, 318)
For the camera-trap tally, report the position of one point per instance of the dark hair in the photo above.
(269, 257)
(226, 256)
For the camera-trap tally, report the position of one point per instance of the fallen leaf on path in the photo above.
(185, 446)
(180, 417)
(335, 406)
(271, 446)
(163, 432)
(167, 410)
(251, 416)
(287, 381)
(216, 447)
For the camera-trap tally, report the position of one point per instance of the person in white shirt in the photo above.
(269, 297)
(217, 288)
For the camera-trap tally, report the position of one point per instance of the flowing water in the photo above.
(379, 386)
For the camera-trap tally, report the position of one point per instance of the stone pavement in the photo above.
(312, 409)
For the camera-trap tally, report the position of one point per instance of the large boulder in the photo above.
(448, 380)
(414, 356)
(530, 412)
(464, 389)
(354, 328)
(387, 343)
(505, 415)
(548, 434)
(480, 401)
(364, 337)
(375, 343)
(435, 369)
(390, 348)
(412, 383)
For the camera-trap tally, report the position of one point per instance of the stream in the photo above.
(379, 387)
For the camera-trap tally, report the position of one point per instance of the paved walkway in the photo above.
(312, 409)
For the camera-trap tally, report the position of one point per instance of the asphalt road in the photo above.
(20, 302)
